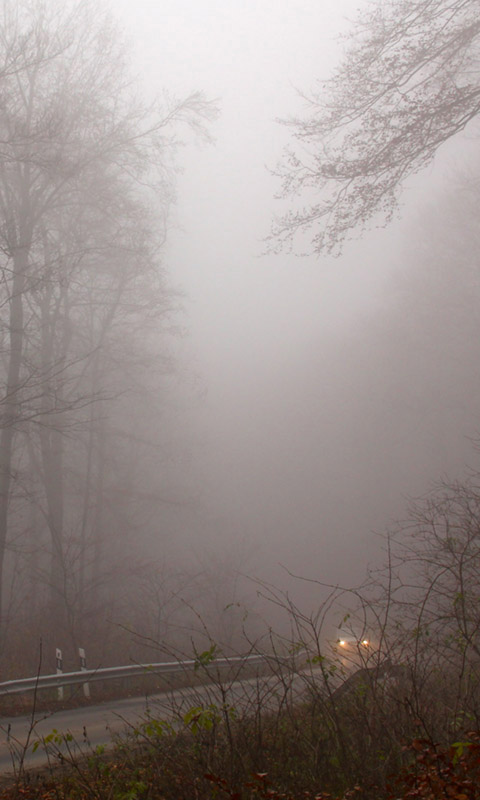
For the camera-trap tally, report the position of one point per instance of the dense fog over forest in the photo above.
(326, 388)
(190, 408)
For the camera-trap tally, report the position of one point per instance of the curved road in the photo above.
(91, 726)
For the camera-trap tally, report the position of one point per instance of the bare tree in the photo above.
(82, 162)
(410, 80)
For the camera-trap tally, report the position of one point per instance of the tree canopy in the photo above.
(409, 81)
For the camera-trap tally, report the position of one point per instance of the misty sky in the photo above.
(270, 337)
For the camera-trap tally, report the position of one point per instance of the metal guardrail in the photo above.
(109, 673)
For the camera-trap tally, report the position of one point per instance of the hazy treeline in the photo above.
(366, 417)
(86, 184)
(87, 313)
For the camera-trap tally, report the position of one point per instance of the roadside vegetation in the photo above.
(173, 766)
(387, 707)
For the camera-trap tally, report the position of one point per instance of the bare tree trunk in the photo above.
(11, 402)
(98, 521)
(90, 494)
(52, 459)
(54, 332)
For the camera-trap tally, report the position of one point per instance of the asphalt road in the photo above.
(90, 726)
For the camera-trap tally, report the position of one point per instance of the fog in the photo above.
(307, 437)
(294, 449)
(214, 414)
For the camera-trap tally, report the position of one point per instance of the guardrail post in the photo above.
(59, 660)
(61, 679)
(83, 667)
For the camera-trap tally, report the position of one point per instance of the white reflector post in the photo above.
(59, 660)
(83, 667)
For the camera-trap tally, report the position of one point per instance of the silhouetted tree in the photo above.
(410, 80)
(83, 163)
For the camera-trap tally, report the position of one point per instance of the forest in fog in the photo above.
(240, 395)
(190, 412)
(87, 314)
